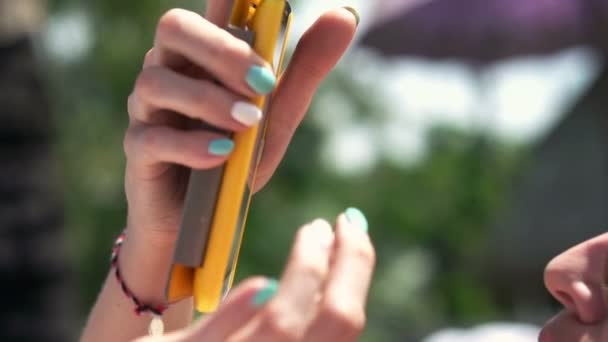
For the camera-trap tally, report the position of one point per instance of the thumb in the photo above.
(316, 54)
(234, 312)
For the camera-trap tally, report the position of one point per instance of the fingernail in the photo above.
(265, 294)
(261, 79)
(221, 147)
(356, 217)
(324, 234)
(354, 12)
(246, 113)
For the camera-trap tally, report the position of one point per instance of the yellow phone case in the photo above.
(217, 201)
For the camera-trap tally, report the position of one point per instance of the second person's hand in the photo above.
(321, 296)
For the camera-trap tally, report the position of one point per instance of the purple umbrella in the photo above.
(487, 30)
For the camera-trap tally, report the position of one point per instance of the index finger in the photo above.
(234, 312)
(217, 13)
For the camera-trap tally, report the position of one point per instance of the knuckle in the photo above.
(133, 106)
(142, 140)
(149, 140)
(171, 22)
(366, 253)
(127, 142)
(276, 324)
(349, 319)
(147, 85)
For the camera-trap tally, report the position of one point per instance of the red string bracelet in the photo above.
(139, 306)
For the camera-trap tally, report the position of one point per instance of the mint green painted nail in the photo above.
(221, 147)
(261, 79)
(356, 217)
(265, 294)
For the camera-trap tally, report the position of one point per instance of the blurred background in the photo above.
(471, 133)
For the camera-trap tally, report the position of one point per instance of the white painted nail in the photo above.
(323, 233)
(246, 113)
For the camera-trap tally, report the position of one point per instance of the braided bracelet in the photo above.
(156, 325)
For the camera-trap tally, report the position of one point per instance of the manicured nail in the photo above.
(324, 233)
(265, 294)
(221, 147)
(246, 113)
(354, 12)
(261, 79)
(356, 217)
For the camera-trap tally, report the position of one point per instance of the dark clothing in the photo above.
(33, 265)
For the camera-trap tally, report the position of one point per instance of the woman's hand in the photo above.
(175, 91)
(321, 295)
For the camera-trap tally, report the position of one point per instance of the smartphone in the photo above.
(217, 200)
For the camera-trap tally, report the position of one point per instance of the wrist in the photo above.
(146, 241)
(145, 262)
(151, 235)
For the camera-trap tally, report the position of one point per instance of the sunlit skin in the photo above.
(322, 292)
(577, 279)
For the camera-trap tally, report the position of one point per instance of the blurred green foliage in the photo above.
(428, 221)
